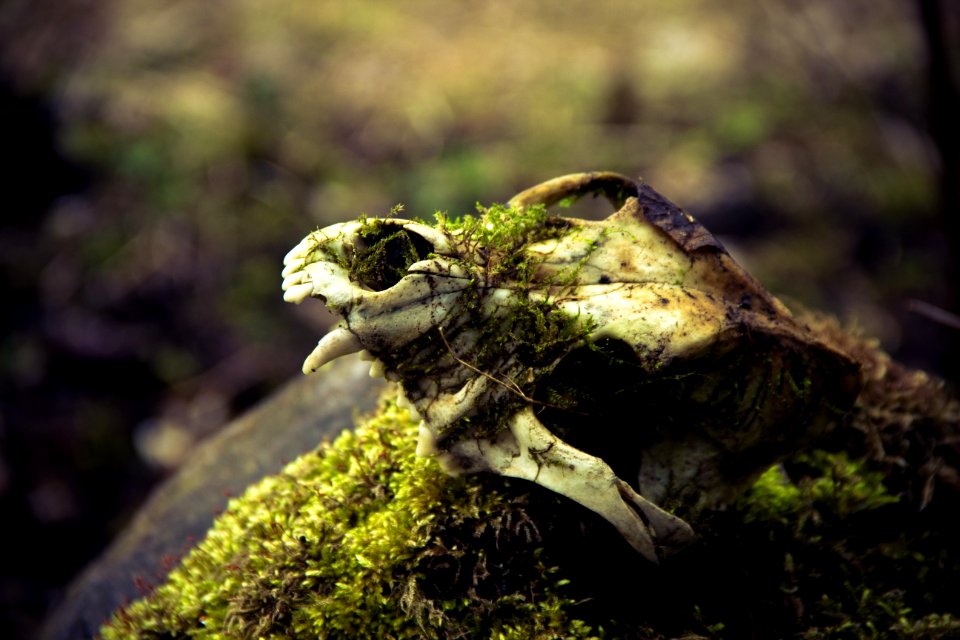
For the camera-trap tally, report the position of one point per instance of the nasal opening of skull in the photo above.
(384, 251)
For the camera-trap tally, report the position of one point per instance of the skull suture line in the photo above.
(575, 353)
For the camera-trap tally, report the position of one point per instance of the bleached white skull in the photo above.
(575, 353)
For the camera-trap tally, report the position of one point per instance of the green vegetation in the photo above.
(845, 555)
(363, 539)
(496, 237)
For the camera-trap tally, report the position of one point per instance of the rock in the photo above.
(290, 422)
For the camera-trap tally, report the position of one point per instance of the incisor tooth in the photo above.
(298, 293)
(292, 279)
(366, 356)
(294, 265)
(376, 369)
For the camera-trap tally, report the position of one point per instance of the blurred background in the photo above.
(160, 158)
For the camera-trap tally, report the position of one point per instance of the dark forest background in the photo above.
(161, 157)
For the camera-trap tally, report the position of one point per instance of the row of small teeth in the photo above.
(293, 265)
(297, 286)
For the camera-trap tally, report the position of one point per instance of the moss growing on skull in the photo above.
(496, 238)
(384, 254)
(362, 539)
(518, 337)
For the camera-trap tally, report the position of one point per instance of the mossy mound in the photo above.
(363, 539)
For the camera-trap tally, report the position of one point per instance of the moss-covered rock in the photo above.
(363, 539)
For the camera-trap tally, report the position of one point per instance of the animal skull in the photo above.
(574, 353)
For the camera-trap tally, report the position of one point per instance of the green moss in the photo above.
(363, 539)
(498, 235)
(360, 539)
(385, 255)
(852, 559)
(773, 497)
(520, 334)
(837, 485)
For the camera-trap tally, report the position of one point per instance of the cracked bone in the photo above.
(527, 450)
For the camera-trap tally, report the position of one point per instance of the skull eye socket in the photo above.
(383, 253)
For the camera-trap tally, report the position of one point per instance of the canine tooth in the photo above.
(414, 414)
(338, 342)
(366, 356)
(298, 292)
(376, 369)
